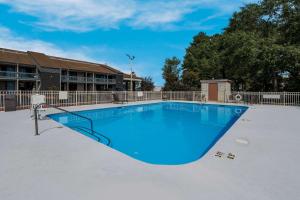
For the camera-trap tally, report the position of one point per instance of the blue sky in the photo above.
(104, 31)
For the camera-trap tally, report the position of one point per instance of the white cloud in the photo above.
(86, 15)
(75, 15)
(163, 12)
(10, 40)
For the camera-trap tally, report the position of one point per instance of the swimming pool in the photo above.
(169, 133)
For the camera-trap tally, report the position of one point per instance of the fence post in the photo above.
(96, 97)
(76, 98)
(259, 101)
(161, 95)
(193, 95)
(36, 126)
(284, 98)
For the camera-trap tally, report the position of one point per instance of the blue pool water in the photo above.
(162, 133)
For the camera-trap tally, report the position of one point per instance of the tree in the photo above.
(201, 61)
(171, 74)
(279, 18)
(258, 51)
(147, 84)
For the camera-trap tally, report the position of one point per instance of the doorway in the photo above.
(213, 91)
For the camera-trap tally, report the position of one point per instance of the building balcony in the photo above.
(111, 81)
(101, 80)
(8, 75)
(89, 79)
(73, 79)
(18, 75)
(105, 81)
(80, 79)
(29, 76)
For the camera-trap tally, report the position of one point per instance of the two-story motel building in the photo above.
(29, 70)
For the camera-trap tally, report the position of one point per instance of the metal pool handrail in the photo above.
(72, 113)
(99, 139)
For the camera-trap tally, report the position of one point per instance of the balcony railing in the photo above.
(18, 75)
(112, 81)
(73, 79)
(100, 80)
(80, 79)
(89, 79)
(76, 79)
(9, 75)
(23, 75)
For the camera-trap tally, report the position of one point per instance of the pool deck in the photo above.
(62, 164)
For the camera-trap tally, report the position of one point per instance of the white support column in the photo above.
(60, 79)
(86, 89)
(17, 83)
(107, 82)
(37, 81)
(93, 82)
(67, 80)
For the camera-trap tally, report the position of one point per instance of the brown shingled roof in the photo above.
(24, 59)
(11, 56)
(35, 58)
(42, 60)
(8, 57)
(127, 76)
(82, 66)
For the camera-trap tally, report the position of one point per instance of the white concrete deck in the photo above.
(62, 164)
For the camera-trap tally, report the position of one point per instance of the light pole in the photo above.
(131, 58)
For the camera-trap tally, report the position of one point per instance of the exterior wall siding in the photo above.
(80, 87)
(50, 81)
(204, 90)
(119, 82)
(224, 90)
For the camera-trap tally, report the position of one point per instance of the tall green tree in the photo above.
(147, 84)
(258, 51)
(202, 52)
(171, 74)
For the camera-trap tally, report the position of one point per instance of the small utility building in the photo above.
(216, 90)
